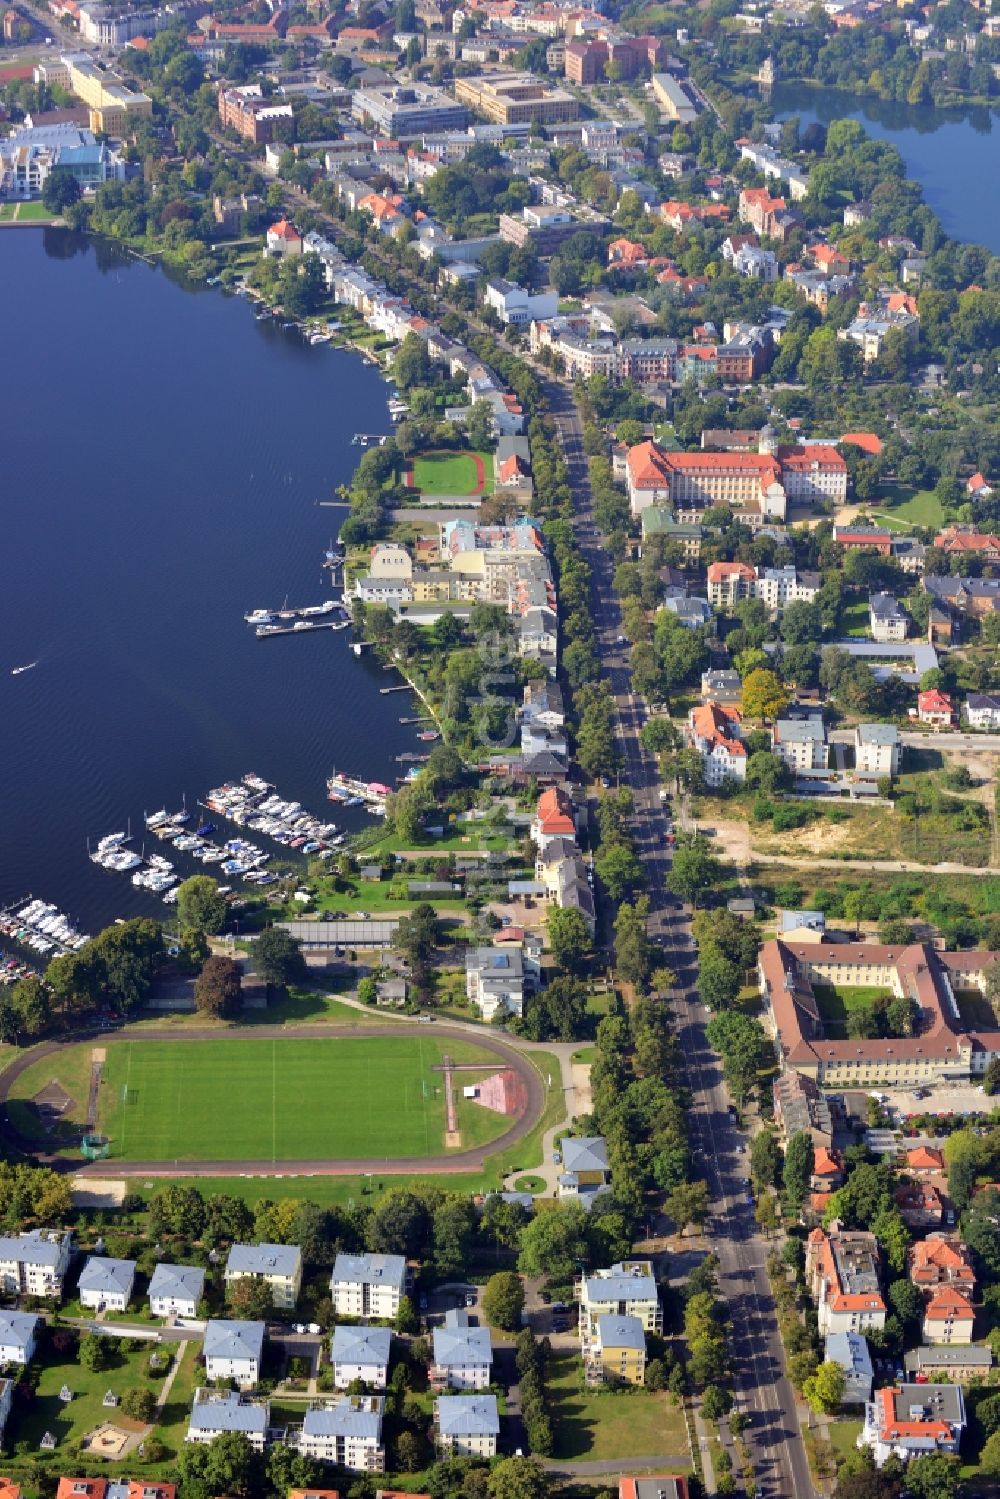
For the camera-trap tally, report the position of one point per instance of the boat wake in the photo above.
(16, 671)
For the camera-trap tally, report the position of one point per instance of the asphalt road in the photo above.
(763, 1392)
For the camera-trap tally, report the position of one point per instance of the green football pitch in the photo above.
(281, 1100)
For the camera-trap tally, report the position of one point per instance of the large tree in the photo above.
(218, 988)
(200, 907)
(503, 1301)
(278, 959)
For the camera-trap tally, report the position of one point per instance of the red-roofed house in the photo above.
(868, 442)
(714, 732)
(842, 1272)
(920, 1205)
(729, 582)
(912, 1420)
(948, 1317)
(670, 1485)
(828, 1169)
(978, 487)
(626, 255)
(958, 543)
(553, 817)
(923, 1158)
(284, 239)
(940, 1260)
(829, 258)
(935, 708)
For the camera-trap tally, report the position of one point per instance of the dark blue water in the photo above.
(163, 458)
(953, 154)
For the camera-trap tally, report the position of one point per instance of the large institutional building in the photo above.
(942, 1047)
(516, 98)
(759, 486)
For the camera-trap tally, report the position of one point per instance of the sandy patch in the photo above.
(452, 1139)
(98, 1054)
(583, 1099)
(97, 1192)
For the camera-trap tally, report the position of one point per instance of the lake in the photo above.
(953, 154)
(164, 460)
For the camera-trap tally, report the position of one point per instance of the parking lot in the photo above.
(963, 1099)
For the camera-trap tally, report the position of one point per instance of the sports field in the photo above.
(280, 1100)
(452, 473)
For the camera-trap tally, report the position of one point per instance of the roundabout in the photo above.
(272, 1100)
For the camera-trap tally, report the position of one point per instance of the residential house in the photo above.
(278, 1266)
(176, 1290)
(34, 1263)
(935, 708)
(728, 582)
(876, 749)
(586, 1172)
(859, 537)
(627, 1289)
(360, 1353)
(959, 541)
(217, 1412)
(18, 1337)
(799, 1105)
(888, 621)
(467, 1425)
(390, 559)
(554, 818)
(842, 1272)
(516, 307)
(949, 1362)
(368, 1285)
(912, 1420)
(106, 1284)
(982, 711)
(941, 1260)
(233, 1350)
(463, 1355)
(692, 613)
(920, 1205)
(924, 1159)
(948, 1317)
(828, 1169)
(801, 742)
(390, 994)
(713, 730)
(283, 239)
(616, 1352)
(346, 1431)
(494, 981)
(722, 687)
(850, 1351)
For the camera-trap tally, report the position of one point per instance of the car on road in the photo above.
(470, 1298)
(556, 1158)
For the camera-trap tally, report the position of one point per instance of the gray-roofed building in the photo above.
(233, 1350)
(351, 932)
(876, 748)
(973, 1361)
(585, 1172)
(216, 1412)
(982, 711)
(463, 1355)
(35, 1263)
(106, 1284)
(723, 687)
(889, 620)
(467, 1425)
(692, 612)
(628, 1289)
(850, 1351)
(615, 1353)
(360, 1353)
(494, 980)
(175, 1290)
(913, 1419)
(346, 1431)
(801, 924)
(390, 993)
(18, 1334)
(801, 742)
(368, 1285)
(278, 1266)
(907, 659)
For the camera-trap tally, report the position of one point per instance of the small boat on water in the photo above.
(259, 617)
(16, 671)
(428, 735)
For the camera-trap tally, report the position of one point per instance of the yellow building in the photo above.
(510, 98)
(112, 106)
(617, 1352)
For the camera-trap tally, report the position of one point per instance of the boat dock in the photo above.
(400, 687)
(301, 627)
(40, 926)
(423, 718)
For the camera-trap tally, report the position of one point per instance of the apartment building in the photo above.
(346, 1431)
(876, 749)
(112, 105)
(801, 742)
(888, 621)
(217, 1412)
(368, 1285)
(35, 1263)
(234, 1350)
(713, 730)
(106, 1284)
(842, 1272)
(616, 1353)
(176, 1290)
(278, 1266)
(912, 1420)
(467, 1425)
(494, 981)
(948, 1317)
(627, 1289)
(463, 1355)
(259, 120)
(403, 112)
(360, 1353)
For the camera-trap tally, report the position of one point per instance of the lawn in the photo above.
(844, 1437)
(244, 1099)
(449, 473)
(73, 1420)
(7, 211)
(836, 1001)
(854, 619)
(34, 213)
(598, 1426)
(921, 507)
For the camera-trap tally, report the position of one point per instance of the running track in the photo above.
(454, 1161)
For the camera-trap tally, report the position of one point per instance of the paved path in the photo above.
(456, 1161)
(705, 1449)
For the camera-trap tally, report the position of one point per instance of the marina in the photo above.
(352, 791)
(42, 927)
(255, 804)
(300, 627)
